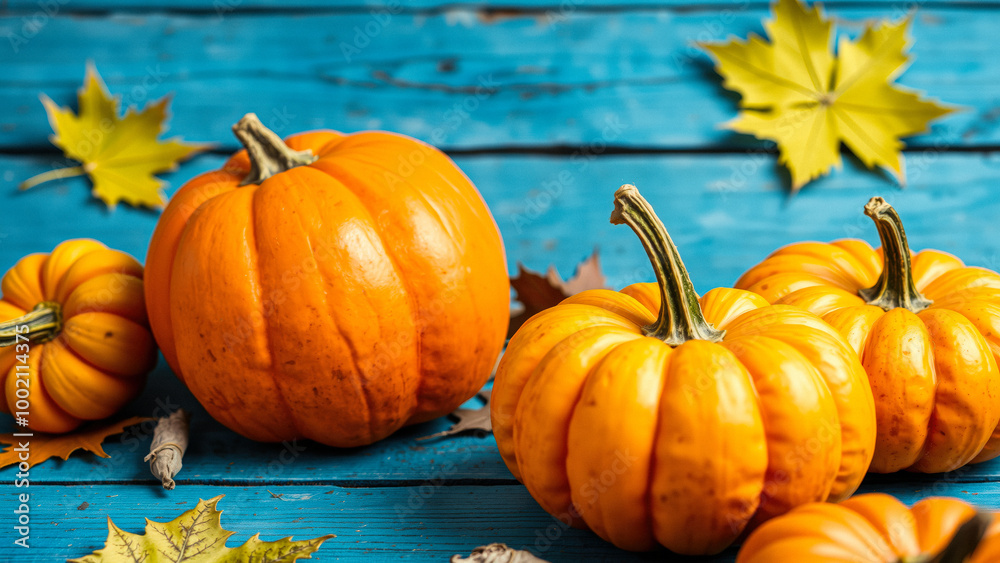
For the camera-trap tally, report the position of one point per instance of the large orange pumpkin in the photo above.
(74, 339)
(927, 329)
(877, 528)
(680, 425)
(336, 287)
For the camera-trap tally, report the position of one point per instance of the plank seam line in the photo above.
(341, 483)
(565, 150)
(510, 11)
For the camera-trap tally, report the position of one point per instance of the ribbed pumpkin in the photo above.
(336, 287)
(74, 342)
(679, 425)
(927, 329)
(877, 528)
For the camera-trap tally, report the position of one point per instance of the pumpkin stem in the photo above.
(269, 155)
(962, 545)
(43, 323)
(680, 318)
(895, 287)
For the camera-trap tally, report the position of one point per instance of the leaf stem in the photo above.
(52, 175)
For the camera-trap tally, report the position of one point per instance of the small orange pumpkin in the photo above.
(680, 425)
(927, 329)
(74, 342)
(877, 528)
(336, 287)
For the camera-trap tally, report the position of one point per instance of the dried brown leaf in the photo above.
(497, 553)
(43, 446)
(536, 292)
(477, 420)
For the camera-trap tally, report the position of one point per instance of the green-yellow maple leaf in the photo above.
(121, 155)
(796, 92)
(196, 537)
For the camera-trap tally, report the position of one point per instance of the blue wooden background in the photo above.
(548, 105)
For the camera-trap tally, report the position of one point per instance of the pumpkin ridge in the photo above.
(47, 402)
(365, 392)
(316, 192)
(595, 362)
(162, 249)
(351, 182)
(411, 295)
(255, 268)
(565, 342)
(650, 508)
(474, 204)
(207, 207)
(572, 300)
(61, 342)
(599, 416)
(35, 262)
(49, 293)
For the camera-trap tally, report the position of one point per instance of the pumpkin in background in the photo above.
(335, 288)
(927, 329)
(74, 339)
(877, 528)
(680, 425)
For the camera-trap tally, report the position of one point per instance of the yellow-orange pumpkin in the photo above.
(74, 340)
(680, 425)
(927, 329)
(876, 528)
(336, 287)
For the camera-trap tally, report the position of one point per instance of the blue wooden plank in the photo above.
(219, 455)
(420, 523)
(504, 8)
(428, 523)
(725, 211)
(630, 79)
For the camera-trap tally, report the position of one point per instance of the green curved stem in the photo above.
(680, 318)
(43, 323)
(895, 287)
(269, 155)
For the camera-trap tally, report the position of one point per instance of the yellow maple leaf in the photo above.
(196, 536)
(797, 93)
(42, 446)
(121, 155)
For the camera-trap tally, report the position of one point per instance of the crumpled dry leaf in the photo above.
(797, 93)
(497, 553)
(170, 441)
(196, 536)
(469, 419)
(43, 446)
(537, 293)
(120, 155)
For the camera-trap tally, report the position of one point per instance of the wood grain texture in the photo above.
(567, 81)
(425, 523)
(724, 211)
(372, 525)
(227, 6)
(620, 78)
(217, 455)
